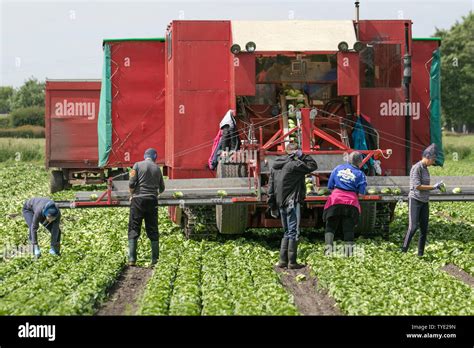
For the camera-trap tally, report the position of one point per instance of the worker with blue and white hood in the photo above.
(43, 211)
(418, 198)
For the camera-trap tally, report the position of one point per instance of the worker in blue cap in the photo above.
(146, 183)
(43, 211)
(418, 198)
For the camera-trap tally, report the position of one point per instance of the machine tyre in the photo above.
(385, 215)
(66, 184)
(367, 218)
(231, 219)
(56, 181)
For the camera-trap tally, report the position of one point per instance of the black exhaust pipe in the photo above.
(357, 20)
(406, 83)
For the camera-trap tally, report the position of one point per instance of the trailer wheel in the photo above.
(66, 184)
(56, 181)
(367, 218)
(231, 219)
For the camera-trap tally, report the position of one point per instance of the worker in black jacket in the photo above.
(286, 193)
(146, 182)
(42, 211)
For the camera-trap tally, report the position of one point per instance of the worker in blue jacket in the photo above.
(342, 208)
(43, 211)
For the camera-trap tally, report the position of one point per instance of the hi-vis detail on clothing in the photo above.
(346, 175)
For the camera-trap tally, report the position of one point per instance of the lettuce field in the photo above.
(231, 276)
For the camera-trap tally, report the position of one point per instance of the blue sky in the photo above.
(62, 39)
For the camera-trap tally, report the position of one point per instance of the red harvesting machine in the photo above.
(310, 82)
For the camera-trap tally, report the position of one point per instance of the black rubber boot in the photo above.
(328, 243)
(349, 249)
(293, 254)
(283, 262)
(132, 252)
(155, 251)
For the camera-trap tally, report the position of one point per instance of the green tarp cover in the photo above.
(104, 122)
(435, 105)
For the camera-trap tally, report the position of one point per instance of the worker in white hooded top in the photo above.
(230, 137)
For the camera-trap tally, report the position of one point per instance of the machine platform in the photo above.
(242, 191)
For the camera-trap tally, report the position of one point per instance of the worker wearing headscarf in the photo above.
(342, 208)
(146, 183)
(42, 211)
(418, 198)
(286, 193)
(227, 139)
(230, 137)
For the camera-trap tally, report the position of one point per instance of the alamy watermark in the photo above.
(394, 108)
(344, 250)
(237, 157)
(28, 330)
(11, 251)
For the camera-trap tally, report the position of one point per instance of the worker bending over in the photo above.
(418, 198)
(43, 211)
(342, 209)
(286, 193)
(146, 182)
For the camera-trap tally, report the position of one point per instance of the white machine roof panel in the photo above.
(293, 35)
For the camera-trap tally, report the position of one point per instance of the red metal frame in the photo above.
(99, 201)
(308, 127)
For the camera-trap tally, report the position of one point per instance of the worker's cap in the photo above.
(51, 212)
(151, 153)
(430, 152)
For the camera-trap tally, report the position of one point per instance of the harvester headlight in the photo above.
(359, 46)
(235, 49)
(250, 46)
(343, 46)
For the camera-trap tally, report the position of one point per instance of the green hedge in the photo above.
(462, 151)
(22, 132)
(33, 115)
(4, 122)
(21, 149)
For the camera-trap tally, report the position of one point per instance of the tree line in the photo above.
(24, 105)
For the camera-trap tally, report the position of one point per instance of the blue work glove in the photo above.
(440, 186)
(299, 153)
(36, 251)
